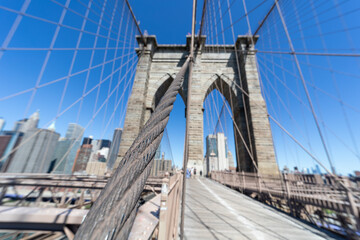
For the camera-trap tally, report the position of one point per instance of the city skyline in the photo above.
(27, 148)
(22, 77)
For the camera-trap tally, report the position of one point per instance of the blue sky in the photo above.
(314, 26)
(321, 26)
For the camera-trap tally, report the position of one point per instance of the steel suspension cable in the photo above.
(93, 117)
(125, 186)
(188, 110)
(46, 60)
(240, 81)
(14, 27)
(57, 116)
(357, 155)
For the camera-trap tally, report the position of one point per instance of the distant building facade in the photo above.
(114, 149)
(87, 140)
(230, 160)
(161, 166)
(66, 149)
(35, 155)
(82, 158)
(8, 141)
(158, 152)
(24, 125)
(217, 155)
(74, 131)
(96, 168)
(2, 124)
(100, 150)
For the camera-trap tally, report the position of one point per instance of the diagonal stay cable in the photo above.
(124, 188)
(15, 26)
(106, 101)
(60, 114)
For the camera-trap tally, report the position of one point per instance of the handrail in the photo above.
(170, 203)
(299, 196)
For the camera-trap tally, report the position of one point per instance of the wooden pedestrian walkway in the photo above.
(214, 211)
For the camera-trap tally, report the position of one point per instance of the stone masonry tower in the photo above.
(215, 68)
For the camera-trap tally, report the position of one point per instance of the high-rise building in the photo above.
(160, 166)
(217, 152)
(158, 152)
(100, 150)
(2, 124)
(99, 155)
(66, 149)
(230, 159)
(61, 155)
(96, 145)
(74, 131)
(222, 151)
(96, 168)
(4, 142)
(35, 155)
(82, 158)
(211, 144)
(26, 124)
(105, 143)
(87, 140)
(8, 141)
(114, 149)
(212, 162)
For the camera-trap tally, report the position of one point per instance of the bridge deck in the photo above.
(217, 212)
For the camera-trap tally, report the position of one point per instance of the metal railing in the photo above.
(170, 206)
(309, 197)
(29, 203)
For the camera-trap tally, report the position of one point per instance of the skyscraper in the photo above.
(26, 124)
(61, 155)
(87, 140)
(74, 131)
(230, 159)
(2, 124)
(211, 162)
(105, 143)
(82, 158)
(216, 152)
(100, 147)
(66, 149)
(22, 126)
(222, 151)
(114, 149)
(35, 155)
(8, 141)
(160, 166)
(158, 152)
(211, 144)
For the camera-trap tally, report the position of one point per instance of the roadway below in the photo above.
(214, 211)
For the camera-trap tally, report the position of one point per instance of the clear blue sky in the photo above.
(339, 124)
(325, 26)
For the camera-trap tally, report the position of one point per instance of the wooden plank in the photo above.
(214, 211)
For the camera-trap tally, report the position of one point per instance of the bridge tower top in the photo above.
(231, 69)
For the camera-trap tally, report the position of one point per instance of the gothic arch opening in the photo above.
(161, 89)
(219, 142)
(172, 143)
(223, 112)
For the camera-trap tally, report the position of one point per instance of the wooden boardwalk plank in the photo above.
(214, 211)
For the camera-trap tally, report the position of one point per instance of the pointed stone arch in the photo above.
(159, 88)
(226, 86)
(156, 69)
